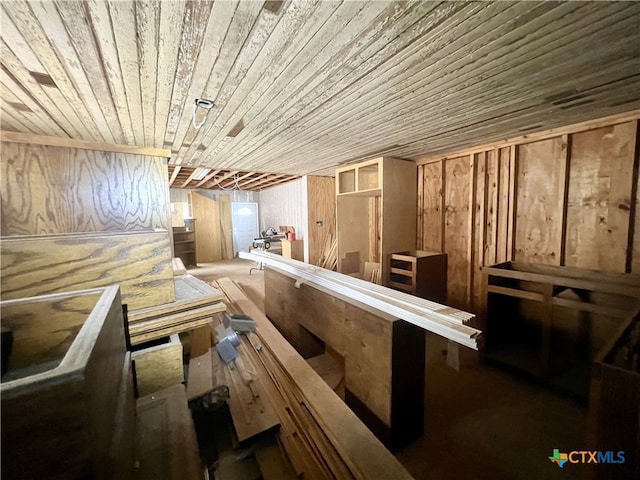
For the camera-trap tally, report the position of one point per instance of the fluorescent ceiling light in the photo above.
(202, 172)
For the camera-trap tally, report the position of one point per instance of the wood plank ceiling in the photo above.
(301, 87)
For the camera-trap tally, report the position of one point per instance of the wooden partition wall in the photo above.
(566, 197)
(81, 218)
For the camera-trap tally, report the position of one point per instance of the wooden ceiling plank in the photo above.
(298, 110)
(55, 51)
(219, 20)
(171, 20)
(102, 27)
(292, 32)
(242, 36)
(250, 28)
(147, 21)
(208, 177)
(460, 95)
(19, 75)
(27, 119)
(428, 45)
(14, 137)
(16, 122)
(326, 52)
(74, 15)
(510, 104)
(123, 20)
(194, 26)
(349, 104)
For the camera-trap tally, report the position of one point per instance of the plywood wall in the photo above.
(321, 194)
(567, 199)
(48, 190)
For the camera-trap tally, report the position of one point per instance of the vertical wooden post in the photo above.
(564, 198)
(420, 219)
(634, 229)
(443, 204)
(471, 244)
(513, 197)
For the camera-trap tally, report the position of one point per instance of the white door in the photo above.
(245, 226)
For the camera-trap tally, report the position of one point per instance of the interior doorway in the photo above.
(245, 225)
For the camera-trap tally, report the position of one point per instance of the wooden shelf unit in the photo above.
(420, 273)
(293, 249)
(184, 242)
(549, 321)
(375, 213)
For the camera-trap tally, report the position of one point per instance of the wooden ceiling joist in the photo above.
(184, 177)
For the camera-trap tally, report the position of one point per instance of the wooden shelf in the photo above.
(184, 243)
(546, 320)
(369, 199)
(419, 273)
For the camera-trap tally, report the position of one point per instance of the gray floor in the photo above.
(480, 422)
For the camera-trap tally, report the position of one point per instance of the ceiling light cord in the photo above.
(235, 186)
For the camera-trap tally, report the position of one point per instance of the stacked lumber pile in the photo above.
(440, 319)
(195, 304)
(329, 257)
(320, 435)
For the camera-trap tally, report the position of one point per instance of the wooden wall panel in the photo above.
(539, 204)
(321, 195)
(140, 262)
(208, 239)
(226, 227)
(457, 236)
(565, 200)
(599, 202)
(430, 208)
(49, 190)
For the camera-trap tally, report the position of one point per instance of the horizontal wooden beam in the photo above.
(30, 138)
(534, 137)
(434, 317)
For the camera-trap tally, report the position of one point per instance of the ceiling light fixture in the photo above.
(202, 172)
(204, 104)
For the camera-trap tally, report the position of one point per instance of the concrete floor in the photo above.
(480, 423)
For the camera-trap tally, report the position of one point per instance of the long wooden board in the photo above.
(362, 453)
(140, 262)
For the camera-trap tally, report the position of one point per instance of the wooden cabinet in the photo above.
(184, 242)
(293, 249)
(376, 213)
(420, 273)
(550, 321)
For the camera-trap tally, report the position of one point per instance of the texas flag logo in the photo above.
(559, 458)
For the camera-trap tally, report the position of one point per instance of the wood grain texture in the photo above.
(539, 204)
(159, 367)
(321, 193)
(600, 197)
(208, 239)
(81, 393)
(139, 261)
(166, 445)
(226, 226)
(431, 206)
(457, 235)
(48, 190)
(362, 453)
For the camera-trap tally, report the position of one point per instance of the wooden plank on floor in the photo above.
(166, 446)
(361, 452)
(200, 379)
